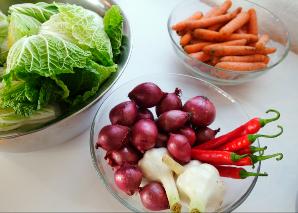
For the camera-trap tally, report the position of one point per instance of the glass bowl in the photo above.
(229, 115)
(268, 23)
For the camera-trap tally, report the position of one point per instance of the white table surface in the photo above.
(62, 178)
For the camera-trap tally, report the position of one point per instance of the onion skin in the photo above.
(144, 135)
(124, 113)
(128, 178)
(146, 95)
(171, 101)
(144, 113)
(189, 133)
(153, 197)
(125, 155)
(179, 148)
(162, 140)
(202, 111)
(112, 137)
(205, 134)
(172, 120)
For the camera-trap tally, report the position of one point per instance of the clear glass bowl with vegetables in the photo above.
(125, 138)
(57, 59)
(227, 42)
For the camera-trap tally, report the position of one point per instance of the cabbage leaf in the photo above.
(113, 25)
(83, 28)
(44, 55)
(21, 25)
(3, 38)
(40, 11)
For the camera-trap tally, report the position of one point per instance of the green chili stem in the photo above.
(253, 138)
(235, 157)
(263, 122)
(254, 149)
(244, 174)
(255, 158)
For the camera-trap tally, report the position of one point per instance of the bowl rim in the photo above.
(285, 53)
(118, 73)
(103, 180)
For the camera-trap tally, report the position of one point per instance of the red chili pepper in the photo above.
(251, 127)
(245, 141)
(251, 150)
(252, 159)
(236, 173)
(215, 157)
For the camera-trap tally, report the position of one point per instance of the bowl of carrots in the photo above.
(227, 42)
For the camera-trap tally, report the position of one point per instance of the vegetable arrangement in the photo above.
(54, 58)
(160, 156)
(227, 40)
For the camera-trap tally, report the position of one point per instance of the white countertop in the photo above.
(62, 178)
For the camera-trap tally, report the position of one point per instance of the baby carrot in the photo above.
(211, 12)
(247, 58)
(193, 48)
(185, 39)
(222, 9)
(206, 22)
(201, 56)
(253, 22)
(230, 50)
(208, 35)
(266, 51)
(218, 26)
(214, 60)
(196, 16)
(262, 42)
(240, 42)
(235, 24)
(248, 37)
(241, 66)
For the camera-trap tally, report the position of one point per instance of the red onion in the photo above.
(124, 113)
(172, 120)
(205, 134)
(201, 109)
(154, 197)
(125, 155)
(112, 137)
(162, 140)
(189, 133)
(128, 178)
(144, 113)
(144, 135)
(179, 148)
(171, 101)
(146, 95)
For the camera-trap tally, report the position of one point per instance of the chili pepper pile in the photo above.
(234, 149)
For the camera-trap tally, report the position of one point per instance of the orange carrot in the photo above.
(201, 56)
(247, 58)
(218, 26)
(211, 12)
(241, 66)
(240, 42)
(196, 16)
(235, 24)
(193, 48)
(262, 41)
(266, 51)
(184, 40)
(208, 35)
(230, 50)
(206, 22)
(222, 9)
(248, 37)
(253, 22)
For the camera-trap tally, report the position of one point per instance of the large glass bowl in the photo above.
(268, 24)
(229, 115)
